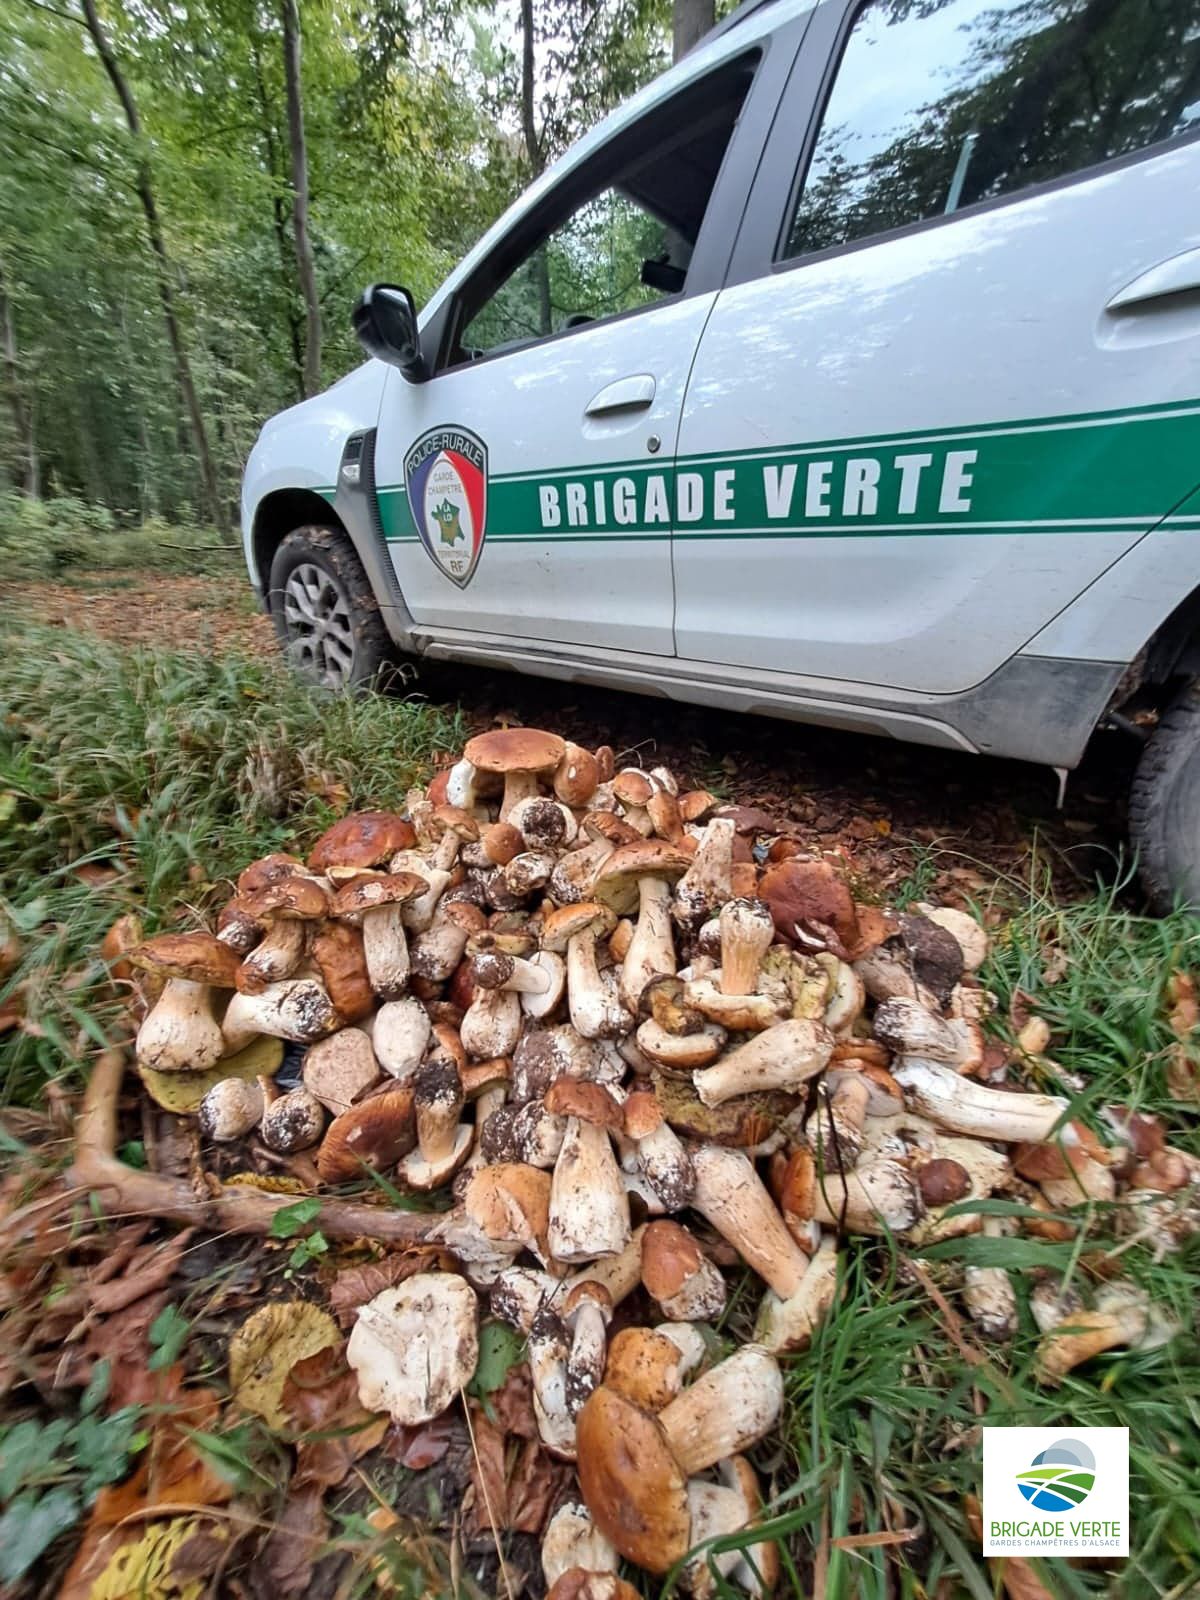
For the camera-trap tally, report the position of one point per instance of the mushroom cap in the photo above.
(298, 899)
(365, 894)
(631, 787)
(361, 840)
(942, 1181)
(642, 1114)
(616, 880)
(293, 1122)
(231, 1108)
(514, 750)
(576, 776)
(453, 819)
(564, 922)
(644, 1366)
(415, 1347)
(339, 1069)
(810, 891)
(510, 1201)
(590, 1102)
(631, 1483)
(670, 1256)
(337, 950)
(195, 957)
(375, 1133)
(501, 842)
(586, 1292)
(266, 870)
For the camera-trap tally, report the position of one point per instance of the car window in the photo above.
(618, 235)
(588, 268)
(938, 104)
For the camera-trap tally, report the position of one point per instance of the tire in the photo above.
(1164, 806)
(325, 612)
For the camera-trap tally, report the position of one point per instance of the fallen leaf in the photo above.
(321, 1397)
(289, 1553)
(172, 1471)
(152, 1268)
(1183, 1075)
(423, 1445)
(265, 1349)
(537, 1483)
(137, 1560)
(1016, 1576)
(1185, 1010)
(124, 1339)
(511, 1405)
(354, 1286)
(489, 1491)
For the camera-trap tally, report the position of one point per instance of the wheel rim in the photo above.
(316, 614)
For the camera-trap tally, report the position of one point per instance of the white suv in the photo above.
(848, 373)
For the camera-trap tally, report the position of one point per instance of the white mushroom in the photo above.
(571, 1540)
(965, 1106)
(298, 1009)
(294, 1121)
(783, 1057)
(231, 1109)
(399, 1034)
(589, 1209)
(415, 1348)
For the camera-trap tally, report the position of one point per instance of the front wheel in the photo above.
(325, 612)
(1164, 806)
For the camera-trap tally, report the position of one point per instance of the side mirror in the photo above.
(385, 320)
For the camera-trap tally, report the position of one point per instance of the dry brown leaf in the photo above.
(321, 1398)
(511, 1405)
(536, 1484)
(140, 1560)
(1185, 1009)
(489, 1487)
(265, 1349)
(289, 1553)
(424, 1445)
(151, 1268)
(354, 1286)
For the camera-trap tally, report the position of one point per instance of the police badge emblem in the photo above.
(445, 474)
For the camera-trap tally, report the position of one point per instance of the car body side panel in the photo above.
(301, 448)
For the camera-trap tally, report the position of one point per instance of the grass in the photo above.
(143, 780)
(63, 537)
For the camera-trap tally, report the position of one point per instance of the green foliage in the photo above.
(169, 772)
(52, 538)
(500, 1349)
(291, 1220)
(50, 1473)
(168, 1335)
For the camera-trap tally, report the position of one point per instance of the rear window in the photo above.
(936, 106)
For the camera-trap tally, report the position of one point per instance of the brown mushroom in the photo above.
(374, 1134)
(180, 1032)
(362, 839)
(678, 1274)
(640, 876)
(375, 903)
(520, 755)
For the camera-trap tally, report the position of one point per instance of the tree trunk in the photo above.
(534, 155)
(164, 272)
(279, 224)
(305, 270)
(19, 400)
(690, 21)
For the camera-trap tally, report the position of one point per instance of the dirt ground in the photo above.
(873, 796)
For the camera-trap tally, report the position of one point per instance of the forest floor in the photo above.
(886, 799)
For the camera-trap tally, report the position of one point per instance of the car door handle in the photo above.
(1177, 275)
(627, 394)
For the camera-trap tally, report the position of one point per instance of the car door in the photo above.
(526, 489)
(955, 374)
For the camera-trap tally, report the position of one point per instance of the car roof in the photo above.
(752, 20)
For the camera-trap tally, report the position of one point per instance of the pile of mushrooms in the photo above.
(639, 1041)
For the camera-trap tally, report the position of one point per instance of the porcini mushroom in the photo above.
(341, 1068)
(647, 1366)
(572, 1539)
(576, 776)
(641, 876)
(586, 1313)
(747, 932)
(376, 904)
(399, 1036)
(370, 1136)
(363, 839)
(414, 1348)
(592, 1001)
(520, 755)
(548, 1348)
(730, 1195)
(783, 1057)
(443, 1143)
(180, 1033)
(292, 1122)
(1123, 1316)
(298, 1009)
(789, 1324)
(662, 1161)
(708, 882)
(634, 1466)
(679, 1276)
(965, 1106)
(231, 1109)
(589, 1210)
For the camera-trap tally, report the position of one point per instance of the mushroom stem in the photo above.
(746, 935)
(589, 1209)
(596, 1011)
(789, 1324)
(725, 1411)
(1081, 1335)
(730, 1195)
(782, 1057)
(652, 949)
(548, 1353)
(298, 1009)
(438, 1103)
(965, 1106)
(276, 957)
(707, 883)
(181, 1034)
(386, 950)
